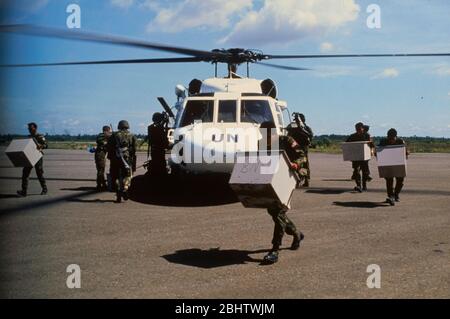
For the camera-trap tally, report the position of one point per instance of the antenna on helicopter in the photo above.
(232, 71)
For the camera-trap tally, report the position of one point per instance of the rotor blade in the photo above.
(283, 67)
(326, 56)
(139, 61)
(39, 31)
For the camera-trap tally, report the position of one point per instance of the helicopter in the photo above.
(215, 118)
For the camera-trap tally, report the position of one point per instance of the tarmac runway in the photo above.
(192, 239)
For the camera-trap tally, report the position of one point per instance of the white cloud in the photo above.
(326, 47)
(442, 70)
(71, 122)
(122, 3)
(187, 14)
(387, 73)
(280, 21)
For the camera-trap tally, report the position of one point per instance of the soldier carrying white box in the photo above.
(41, 144)
(361, 166)
(282, 223)
(397, 171)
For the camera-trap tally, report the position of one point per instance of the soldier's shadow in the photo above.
(214, 257)
(7, 196)
(90, 201)
(361, 204)
(186, 191)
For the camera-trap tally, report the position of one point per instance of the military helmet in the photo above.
(359, 125)
(158, 117)
(392, 133)
(123, 125)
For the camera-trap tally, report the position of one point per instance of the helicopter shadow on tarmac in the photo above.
(182, 191)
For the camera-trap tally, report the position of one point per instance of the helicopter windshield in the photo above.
(198, 110)
(256, 111)
(227, 111)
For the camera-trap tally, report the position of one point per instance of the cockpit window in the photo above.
(256, 111)
(198, 110)
(227, 111)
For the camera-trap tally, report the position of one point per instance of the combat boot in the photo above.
(22, 193)
(271, 257)
(358, 189)
(118, 198)
(364, 186)
(390, 201)
(297, 240)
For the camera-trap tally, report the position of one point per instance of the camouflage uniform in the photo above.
(100, 159)
(122, 167)
(399, 181)
(282, 222)
(41, 144)
(303, 137)
(296, 154)
(158, 143)
(360, 166)
(282, 225)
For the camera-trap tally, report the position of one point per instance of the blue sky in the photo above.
(410, 94)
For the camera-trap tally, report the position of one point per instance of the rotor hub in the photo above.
(237, 56)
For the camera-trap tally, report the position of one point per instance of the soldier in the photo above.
(305, 147)
(393, 193)
(100, 157)
(303, 135)
(122, 154)
(41, 144)
(360, 166)
(282, 222)
(158, 144)
(372, 148)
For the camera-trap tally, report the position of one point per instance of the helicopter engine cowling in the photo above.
(195, 86)
(269, 88)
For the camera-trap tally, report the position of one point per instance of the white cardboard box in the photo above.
(391, 161)
(356, 151)
(263, 181)
(23, 153)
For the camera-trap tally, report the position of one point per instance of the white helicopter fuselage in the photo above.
(220, 121)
